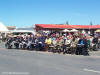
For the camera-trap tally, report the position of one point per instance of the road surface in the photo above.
(23, 62)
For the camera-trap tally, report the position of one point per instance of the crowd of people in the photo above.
(78, 44)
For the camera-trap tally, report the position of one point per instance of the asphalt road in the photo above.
(23, 62)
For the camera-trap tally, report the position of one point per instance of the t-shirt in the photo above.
(48, 41)
(81, 42)
(53, 38)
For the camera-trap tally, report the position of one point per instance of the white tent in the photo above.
(98, 30)
(74, 30)
(3, 28)
(66, 30)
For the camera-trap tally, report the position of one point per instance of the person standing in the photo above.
(95, 42)
(73, 45)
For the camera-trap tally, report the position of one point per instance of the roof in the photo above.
(59, 26)
(11, 27)
(25, 28)
(53, 26)
(23, 31)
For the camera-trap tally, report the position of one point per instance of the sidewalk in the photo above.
(2, 45)
(95, 53)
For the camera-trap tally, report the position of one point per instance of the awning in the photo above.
(73, 30)
(97, 30)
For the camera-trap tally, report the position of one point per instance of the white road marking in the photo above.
(89, 70)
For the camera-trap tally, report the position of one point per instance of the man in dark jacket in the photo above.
(82, 47)
(41, 42)
(95, 42)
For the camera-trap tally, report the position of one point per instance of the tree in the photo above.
(91, 23)
(67, 22)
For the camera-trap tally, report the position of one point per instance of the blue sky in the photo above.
(24, 13)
